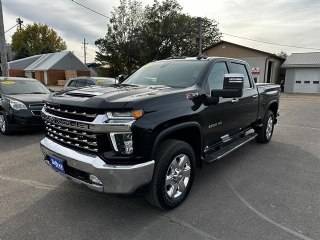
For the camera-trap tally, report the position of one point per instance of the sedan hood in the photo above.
(29, 98)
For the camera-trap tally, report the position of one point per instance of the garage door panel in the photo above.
(306, 80)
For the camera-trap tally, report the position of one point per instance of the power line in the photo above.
(272, 43)
(90, 9)
(227, 34)
(11, 28)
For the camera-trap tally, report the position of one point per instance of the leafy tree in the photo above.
(121, 48)
(283, 54)
(136, 35)
(36, 39)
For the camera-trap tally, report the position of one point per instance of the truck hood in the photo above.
(112, 97)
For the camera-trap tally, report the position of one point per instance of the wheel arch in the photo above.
(274, 106)
(189, 132)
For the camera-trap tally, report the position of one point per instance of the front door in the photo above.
(221, 119)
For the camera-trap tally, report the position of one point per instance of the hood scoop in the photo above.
(85, 94)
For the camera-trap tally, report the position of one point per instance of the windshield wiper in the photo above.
(36, 93)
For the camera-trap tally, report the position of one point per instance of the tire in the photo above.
(266, 132)
(173, 174)
(4, 126)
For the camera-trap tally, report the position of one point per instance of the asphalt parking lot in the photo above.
(258, 192)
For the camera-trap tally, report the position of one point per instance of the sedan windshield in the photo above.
(10, 87)
(176, 74)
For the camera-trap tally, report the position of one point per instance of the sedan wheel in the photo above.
(2, 124)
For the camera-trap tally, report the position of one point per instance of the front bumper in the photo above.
(114, 178)
(24, 119)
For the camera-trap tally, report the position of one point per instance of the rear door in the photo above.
(247, 105)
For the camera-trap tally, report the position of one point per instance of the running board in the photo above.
(230, 148)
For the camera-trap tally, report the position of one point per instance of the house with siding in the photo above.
(265, 67)
(49, 68)
(302, 73)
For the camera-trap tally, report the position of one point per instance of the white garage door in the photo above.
(307, 80)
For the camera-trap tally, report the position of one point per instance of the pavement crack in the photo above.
(187, 226)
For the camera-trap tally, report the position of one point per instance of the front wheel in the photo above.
(265, 133)
(173, 174)
(4, 125)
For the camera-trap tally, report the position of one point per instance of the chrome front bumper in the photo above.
(114, 178)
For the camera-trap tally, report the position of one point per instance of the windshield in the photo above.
(10, 87)
(177, 74)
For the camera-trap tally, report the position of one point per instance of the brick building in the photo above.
(49, 68)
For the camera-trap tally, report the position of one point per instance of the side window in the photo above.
(72, 83)
(216, 75)
(90, 82)
(81, 82)
(240, 68)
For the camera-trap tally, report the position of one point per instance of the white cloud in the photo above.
(290, 22)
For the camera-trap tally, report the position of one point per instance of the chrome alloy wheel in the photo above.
(178, 176)
(2, 123)
(269, 127)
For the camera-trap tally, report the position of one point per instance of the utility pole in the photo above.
(85, 50)
(3, 49)
(19, 22)
(200, 35)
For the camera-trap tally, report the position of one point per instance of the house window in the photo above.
(298, 81)
(306, 82)
(315, 82)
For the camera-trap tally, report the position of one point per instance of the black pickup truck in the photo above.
(156, 127)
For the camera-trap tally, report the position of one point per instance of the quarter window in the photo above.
(216, 75)
(241, 68)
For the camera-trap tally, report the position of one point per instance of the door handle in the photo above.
(235, 100)
(255, 96)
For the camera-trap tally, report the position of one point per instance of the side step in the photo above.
(230, 148)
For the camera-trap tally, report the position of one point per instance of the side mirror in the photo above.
(51, 90)
(232, 87)
(121, 78)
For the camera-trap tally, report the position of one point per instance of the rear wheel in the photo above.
(266, 132)
(173, 174)
(4, 126)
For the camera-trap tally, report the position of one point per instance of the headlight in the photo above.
(16, 105)
(136, 114)
(122, 142)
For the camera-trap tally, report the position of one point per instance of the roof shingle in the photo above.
(311, 59)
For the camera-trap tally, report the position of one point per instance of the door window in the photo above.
(216, 75)
(241, 68)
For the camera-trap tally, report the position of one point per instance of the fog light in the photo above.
(95, 179)
(122, 142)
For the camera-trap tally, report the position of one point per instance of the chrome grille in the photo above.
(71, 112)
(72, 137)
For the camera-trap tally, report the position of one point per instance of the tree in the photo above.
(137, 35)
(283, 54)
(36, 39)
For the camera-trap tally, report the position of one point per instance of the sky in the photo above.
(287, 22)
